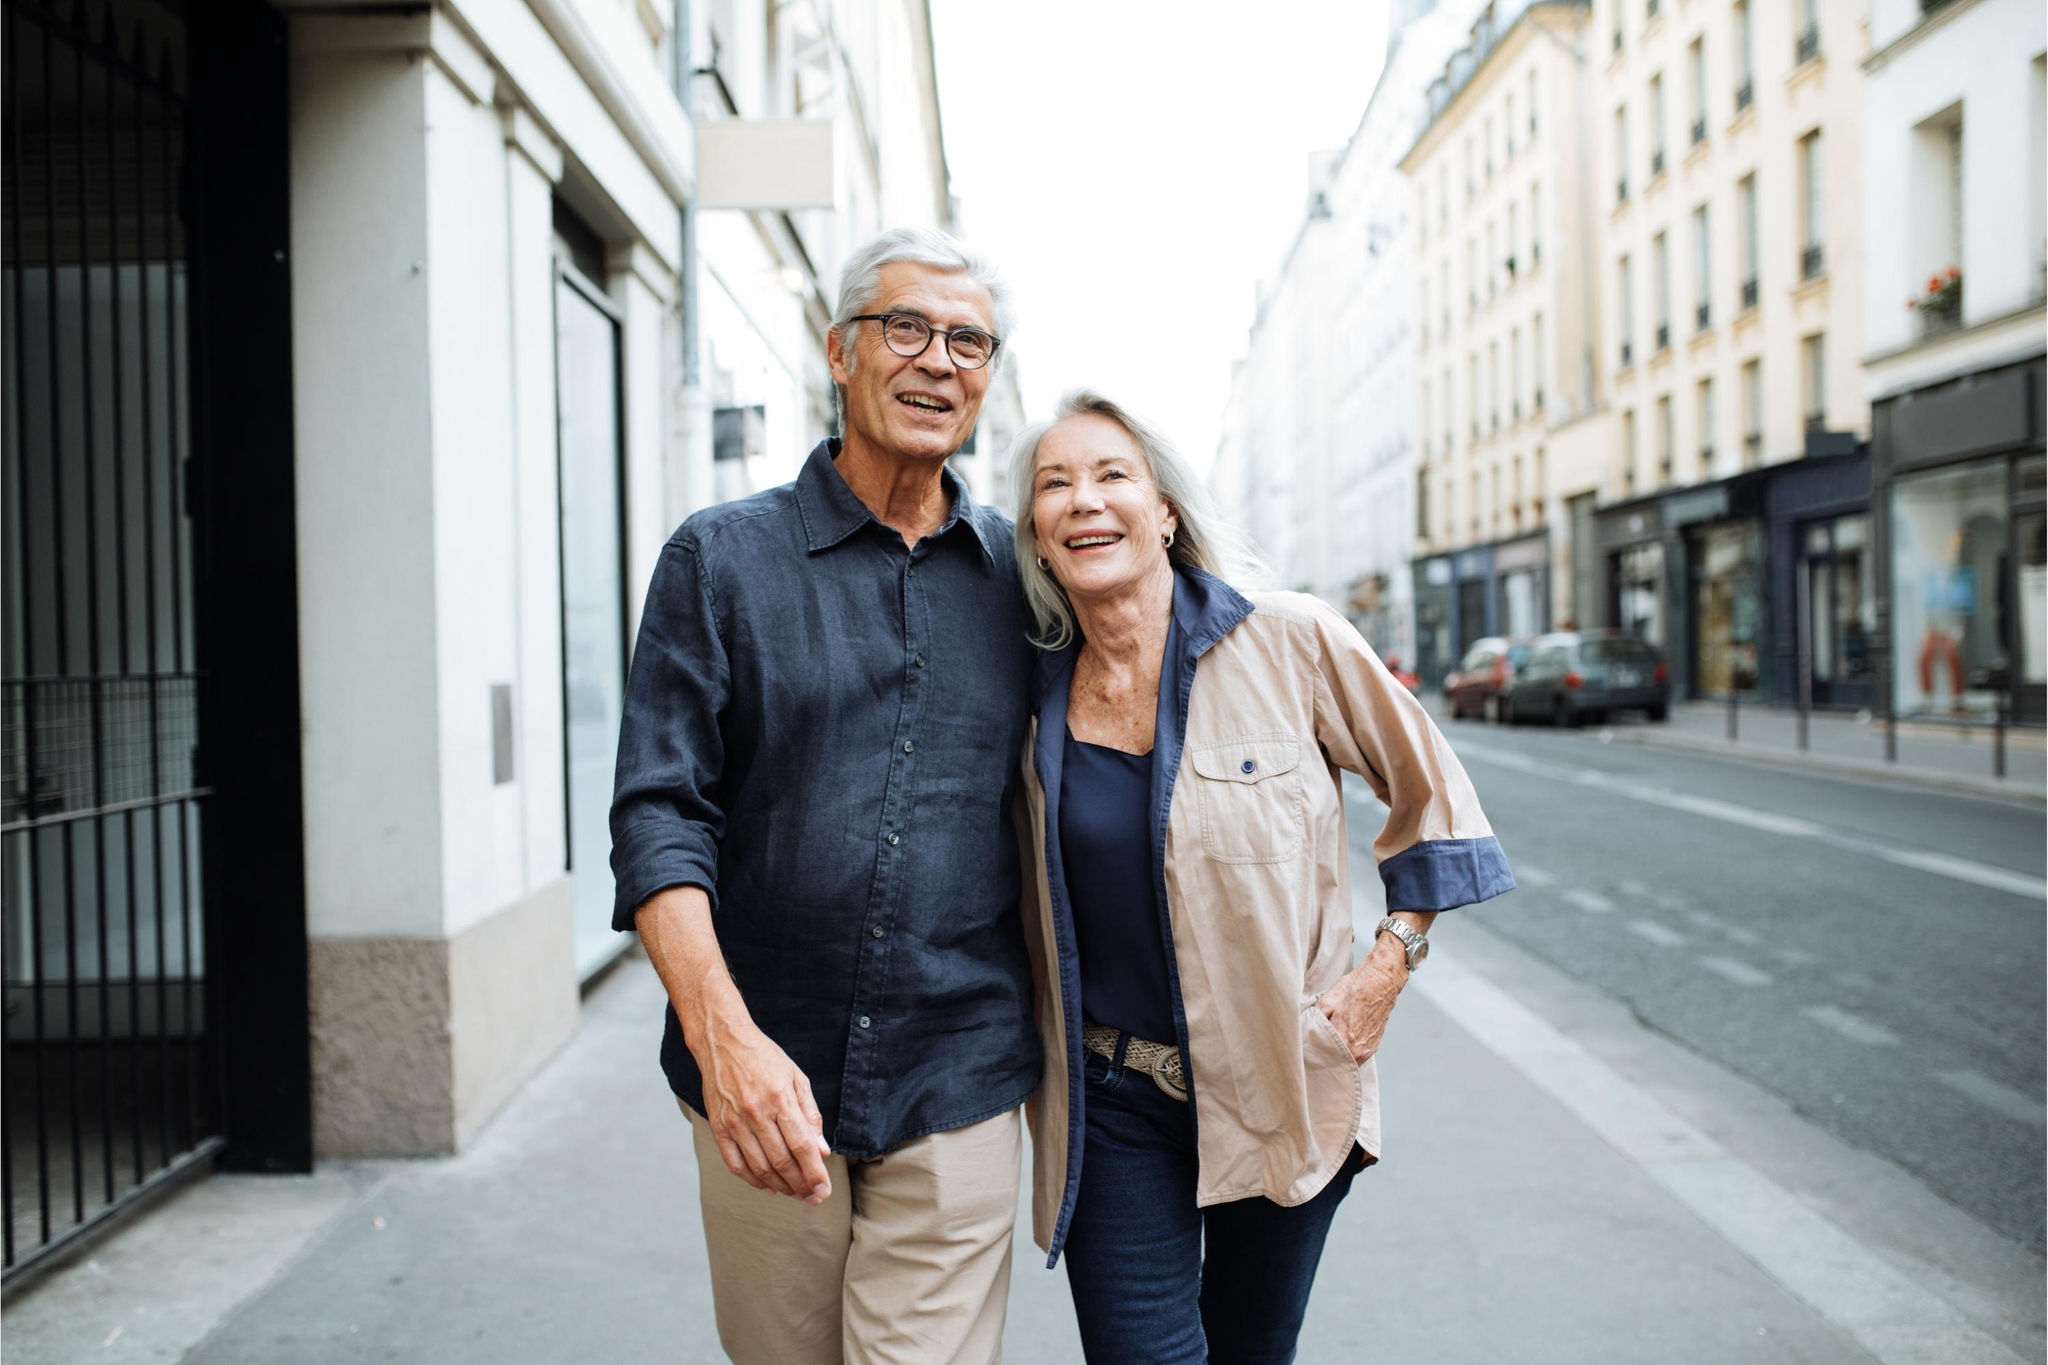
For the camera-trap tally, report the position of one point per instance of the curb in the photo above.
(1808, 762)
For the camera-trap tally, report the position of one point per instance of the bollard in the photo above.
(1998, 737)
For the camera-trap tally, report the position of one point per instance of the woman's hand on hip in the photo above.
(1360, 1004)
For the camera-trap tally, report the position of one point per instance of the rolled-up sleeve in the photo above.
(1437, 851)
(666, 821)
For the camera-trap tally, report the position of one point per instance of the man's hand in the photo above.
(1359, 1004)
(761, 1111)
(757, 1101)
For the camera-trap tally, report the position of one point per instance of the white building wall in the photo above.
(1980, 60)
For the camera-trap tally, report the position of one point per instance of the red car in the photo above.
(1407, 677)
(1475, 686)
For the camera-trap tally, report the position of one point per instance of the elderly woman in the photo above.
(1209, 1088)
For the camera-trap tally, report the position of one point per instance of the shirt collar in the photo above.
(831, 512)
(1204, 609)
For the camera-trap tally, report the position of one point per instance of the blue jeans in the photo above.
(1145, 1287)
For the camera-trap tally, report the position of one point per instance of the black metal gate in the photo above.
(111, 1085)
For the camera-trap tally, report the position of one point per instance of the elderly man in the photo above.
(811, 834)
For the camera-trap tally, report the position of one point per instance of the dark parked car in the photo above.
(1474, 688)
(1575, 676)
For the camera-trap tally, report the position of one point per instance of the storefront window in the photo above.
(1949, 551)
(1725, 610)
(1841, 601)
(2033, 599)
(1639, 591)
(1518, 598)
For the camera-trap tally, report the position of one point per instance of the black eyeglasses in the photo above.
(908, 335)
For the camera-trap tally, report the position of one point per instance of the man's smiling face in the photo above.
(912, 407)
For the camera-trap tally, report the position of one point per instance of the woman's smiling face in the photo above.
(1096, 514)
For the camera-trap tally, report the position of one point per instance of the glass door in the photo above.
(593, 595)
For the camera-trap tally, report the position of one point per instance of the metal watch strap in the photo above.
(1413, 942)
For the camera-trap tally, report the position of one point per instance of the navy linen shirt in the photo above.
(822, 729)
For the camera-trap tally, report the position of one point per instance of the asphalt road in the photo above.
(1874, 955)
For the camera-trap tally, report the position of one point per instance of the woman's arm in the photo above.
(1436, 852)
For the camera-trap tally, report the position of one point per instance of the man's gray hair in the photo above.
(1203, 540)
(860, 279)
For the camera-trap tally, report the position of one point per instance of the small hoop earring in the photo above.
(1166, 541)
(1044, 563)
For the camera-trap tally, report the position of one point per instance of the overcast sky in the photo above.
(1136, 167)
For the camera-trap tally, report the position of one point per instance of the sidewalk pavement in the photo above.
(1930, 754)
(1559, 1185)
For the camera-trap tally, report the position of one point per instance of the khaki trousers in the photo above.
(908, 1263)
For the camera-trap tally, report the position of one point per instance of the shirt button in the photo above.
(876, 931)
(893, 840)
(908, 746)
(1250, 766)
(919, 661)
(863, 1021)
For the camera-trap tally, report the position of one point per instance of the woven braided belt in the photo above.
(1160, 1061)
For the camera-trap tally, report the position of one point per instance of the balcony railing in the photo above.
(1628, 355)
(1941, 312)
(1702, 317)
(1657, 163)
(1816, 421)
(1745, 95)
(1663, 336)
(1812, 261)
(1749, 293)
(1809, 45)
(1510, 263)
(1699, 130)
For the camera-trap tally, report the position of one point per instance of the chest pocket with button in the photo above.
(1249, 790)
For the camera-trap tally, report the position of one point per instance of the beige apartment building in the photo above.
(1725, 147)
(1507, 324)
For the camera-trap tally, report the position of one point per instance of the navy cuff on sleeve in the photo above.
(1443, 874)
(658, 875)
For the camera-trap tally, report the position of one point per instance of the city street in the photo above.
(1873, 955)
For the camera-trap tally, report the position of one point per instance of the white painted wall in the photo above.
(1983, 58)
(368, 621)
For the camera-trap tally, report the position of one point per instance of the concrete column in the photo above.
(441, 971)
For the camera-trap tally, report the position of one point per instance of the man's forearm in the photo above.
(675, 928)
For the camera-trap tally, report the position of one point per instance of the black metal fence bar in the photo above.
(57, 561)
(156, 824)
(174, 486)
(121, 522)
(18, 480)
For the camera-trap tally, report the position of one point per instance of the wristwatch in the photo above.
(1413, 940)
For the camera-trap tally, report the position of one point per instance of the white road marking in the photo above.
(1995, 1097)
(1635, 889)
(2019, 884)
(1854, 1027)
(1662, 935)
(1528, 875)
(1963, 870)
(1748, 938)
(1794, 957)
(1592, 902)
(1741, 973)
(1896, 1318)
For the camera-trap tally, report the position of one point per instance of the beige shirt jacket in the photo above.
(1264, 699)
